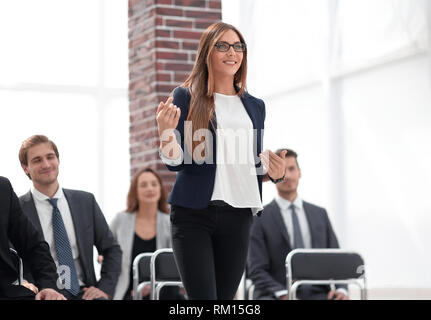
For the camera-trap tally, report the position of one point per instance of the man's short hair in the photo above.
(289, 153)
(30, 143)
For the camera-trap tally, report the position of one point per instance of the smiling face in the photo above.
(148, 188)
(42, 164)
(226, 64)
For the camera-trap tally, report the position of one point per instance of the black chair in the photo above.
(163, 271)
(324, 267)
(18, 264)
(141, 274)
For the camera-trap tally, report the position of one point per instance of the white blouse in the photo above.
(235, 180)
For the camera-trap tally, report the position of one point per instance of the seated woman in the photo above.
(143, 227)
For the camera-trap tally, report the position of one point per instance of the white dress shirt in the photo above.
(302, 218)
(44, 211)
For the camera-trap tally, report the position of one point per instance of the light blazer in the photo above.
(194, 184)
(123, 228)
(269, 246)
(91, 230)
(15, 228)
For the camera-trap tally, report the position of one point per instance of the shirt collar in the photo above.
(285, 204)
(42, 197)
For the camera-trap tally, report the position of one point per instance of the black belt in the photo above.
(218, 203)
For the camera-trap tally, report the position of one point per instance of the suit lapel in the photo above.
(29, 209)
(250, 110)
(310, 220)
(279, 222)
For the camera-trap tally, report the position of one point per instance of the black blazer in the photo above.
(91, 230)
(16, 229)
(270, 245)
(194, 184)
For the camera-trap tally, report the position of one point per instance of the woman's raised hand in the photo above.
(167, 116)
(275, 165)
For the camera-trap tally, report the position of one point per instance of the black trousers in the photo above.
(13, 292)
(210, 247)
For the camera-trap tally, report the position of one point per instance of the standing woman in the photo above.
(143, 227)
(215, 195)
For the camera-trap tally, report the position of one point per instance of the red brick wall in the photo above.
(163, 38)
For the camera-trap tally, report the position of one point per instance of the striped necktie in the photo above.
(64, 251)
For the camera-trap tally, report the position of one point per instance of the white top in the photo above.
(44, 211)
(235, 180)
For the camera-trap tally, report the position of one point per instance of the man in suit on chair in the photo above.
(288, 223)
(71, 222)
(16, 229)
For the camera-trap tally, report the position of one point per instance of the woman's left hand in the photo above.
(275, 165)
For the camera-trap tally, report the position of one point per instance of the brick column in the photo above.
(163, 39)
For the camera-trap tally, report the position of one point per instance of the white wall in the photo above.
(64, 74)
(387, 113)
(347, 85)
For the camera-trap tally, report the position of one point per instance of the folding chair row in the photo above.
(157, 269)
(303, 266)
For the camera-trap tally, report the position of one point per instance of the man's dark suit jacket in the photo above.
(194, 184)
(15, 228)
(269, 246)
(91, 230)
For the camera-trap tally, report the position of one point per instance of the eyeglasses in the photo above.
(223, 46)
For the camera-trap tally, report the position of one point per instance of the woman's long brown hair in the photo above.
(201, 80)
(132, 196)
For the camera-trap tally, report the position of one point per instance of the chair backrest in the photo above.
(165, 267)
(325, 264)
(164, 271)
(328, 266)
(18, 264)
(141, 272)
